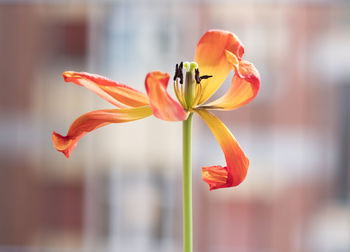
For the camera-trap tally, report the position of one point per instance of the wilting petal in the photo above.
(164, 107)
(116, 93)
(211, 59)
(237, 163)
(245, 86)
(93, 120)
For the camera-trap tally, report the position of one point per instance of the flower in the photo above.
(217, 54)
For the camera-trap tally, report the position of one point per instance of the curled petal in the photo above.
(211, 59)
(94, 120)
(237, 162)
(245, 86)
(215, 176)
(164, 107)
(116, 93)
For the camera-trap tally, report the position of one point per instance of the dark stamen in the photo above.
(196, 76)
(176, 71)
(180, 74)
(204, 77)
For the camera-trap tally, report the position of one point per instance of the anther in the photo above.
(196, 76)
(176, 71)
(180, 74)
(204, 77)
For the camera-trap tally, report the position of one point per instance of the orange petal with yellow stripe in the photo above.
(211, 59)
(245, 86)
(237, 163)
(164, 107)
(116, 93)
(94, 120)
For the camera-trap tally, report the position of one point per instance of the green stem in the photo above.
(187, 184)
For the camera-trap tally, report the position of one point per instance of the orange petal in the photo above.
(94, 120)
(237, 163)
(164, 107)
(116, 93)
(245, 86)
(211, 59)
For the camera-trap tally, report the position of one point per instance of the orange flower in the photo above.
(218, 52)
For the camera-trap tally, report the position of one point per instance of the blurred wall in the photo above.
(119, 191)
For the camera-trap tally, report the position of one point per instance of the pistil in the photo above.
(190, 83)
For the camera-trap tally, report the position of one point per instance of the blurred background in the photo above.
(121, 188)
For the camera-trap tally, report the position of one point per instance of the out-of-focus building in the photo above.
(120, 190)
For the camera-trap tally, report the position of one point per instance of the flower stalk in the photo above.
(187, 184)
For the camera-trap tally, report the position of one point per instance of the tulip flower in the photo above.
(217, 54)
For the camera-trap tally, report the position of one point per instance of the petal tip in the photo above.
(215, 176)
(163, 78)
(62, 144)
(67, 75)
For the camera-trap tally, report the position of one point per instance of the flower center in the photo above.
(189, 95)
